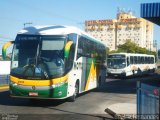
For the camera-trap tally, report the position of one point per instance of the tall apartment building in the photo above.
(126, 27)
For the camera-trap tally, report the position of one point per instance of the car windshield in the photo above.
(116, 62)
(38, 57)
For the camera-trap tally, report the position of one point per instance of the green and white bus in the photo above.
(130, 64)
(54, 62)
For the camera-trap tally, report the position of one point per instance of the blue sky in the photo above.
(14, 13)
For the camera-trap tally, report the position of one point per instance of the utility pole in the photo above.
(150, 47)
(27, 23)
(155, 45)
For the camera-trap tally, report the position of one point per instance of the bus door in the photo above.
(83, 76)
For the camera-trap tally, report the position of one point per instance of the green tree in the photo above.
(131, 47)
(128, 47)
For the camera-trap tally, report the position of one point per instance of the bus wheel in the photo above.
(73, 97)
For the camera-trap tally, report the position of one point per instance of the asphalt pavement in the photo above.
(118, 95)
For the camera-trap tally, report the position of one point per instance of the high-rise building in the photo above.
(126, 27)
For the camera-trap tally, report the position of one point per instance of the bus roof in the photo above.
(131, 54)
(50, 30)
(55, 30)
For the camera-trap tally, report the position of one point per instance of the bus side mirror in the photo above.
(4, 48)
(67, 49)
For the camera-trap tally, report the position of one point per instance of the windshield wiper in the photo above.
(45, 74)
(36, 56)
(36, 61)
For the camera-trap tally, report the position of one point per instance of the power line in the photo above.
(8, 18)
(40, 10)
(4, 37)
(47, 12)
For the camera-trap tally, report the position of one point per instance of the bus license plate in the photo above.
(33, 94)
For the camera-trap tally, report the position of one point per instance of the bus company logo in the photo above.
(20, 82)
(33, 87)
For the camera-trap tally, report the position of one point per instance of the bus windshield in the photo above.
(116, 61)
(38, 57)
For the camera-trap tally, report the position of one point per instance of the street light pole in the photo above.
(156, 49)
(155, 46)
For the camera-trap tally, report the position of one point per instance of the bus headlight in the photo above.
(58, 84)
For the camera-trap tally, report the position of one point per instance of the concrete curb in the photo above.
(5, 87)
(120, 116)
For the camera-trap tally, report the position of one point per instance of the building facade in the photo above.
(126, 27)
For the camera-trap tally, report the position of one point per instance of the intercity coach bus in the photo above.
(54, 62)
(130, 64)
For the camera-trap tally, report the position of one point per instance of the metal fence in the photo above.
(4, 79)
(148, 94)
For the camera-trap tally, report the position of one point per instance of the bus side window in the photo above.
(127, 61)
(70, 58)
(146, 59)
(152, 60)
(135, 59)
(139, 60)
(131, 60)
(80, 47)
(149, 62)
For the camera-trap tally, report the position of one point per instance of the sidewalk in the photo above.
(4, 81)
(4, 87)
(119, 110)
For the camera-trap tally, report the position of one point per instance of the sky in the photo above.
(15, 13)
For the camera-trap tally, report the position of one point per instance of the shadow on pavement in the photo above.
(122, 86)
(5, 99)
(70, 116)
(77, 115)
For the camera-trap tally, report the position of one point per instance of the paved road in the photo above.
(90, 105)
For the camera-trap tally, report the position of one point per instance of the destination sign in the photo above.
(27, 37)
(116, 56)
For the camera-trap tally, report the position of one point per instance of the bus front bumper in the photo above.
(45, 92)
